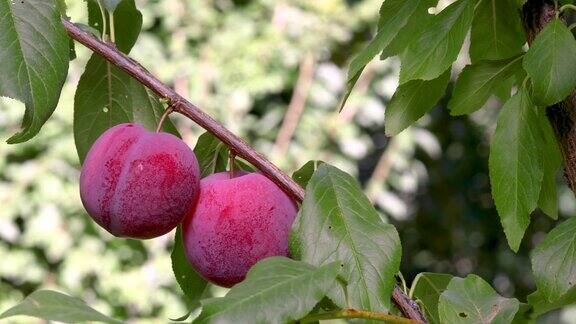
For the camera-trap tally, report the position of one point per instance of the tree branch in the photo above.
(353, 313)
(236, 144)
(296, 106)
(562, 116)
(184, 107)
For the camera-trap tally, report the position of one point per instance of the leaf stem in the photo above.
(112, 28)
(353, 313)
(566, 7)
(104, 21)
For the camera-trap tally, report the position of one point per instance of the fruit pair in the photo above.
(140, 184)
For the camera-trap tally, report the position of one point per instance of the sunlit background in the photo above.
(274, 73)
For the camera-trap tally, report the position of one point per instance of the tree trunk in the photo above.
(562, 116)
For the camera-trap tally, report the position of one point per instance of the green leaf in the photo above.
(541, 304)
(415, 26)
(551, 62)
(472, 300)
(496, 31)
(276, 290)
(554, 261)
(437, 48)
(427, 288)
(515, 165)
(394, 14)
(54, 306)
(337, 222)
(191, 283)
(524, 315)
(34, 56)
(107, 96)
(503, 89)
(211, 153)
(548, 200)
(127, 22)
(244, 166)
(303, 175)
(412, 100)
(478, 82)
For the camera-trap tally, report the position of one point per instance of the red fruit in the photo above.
(236, 223)
(137, 183)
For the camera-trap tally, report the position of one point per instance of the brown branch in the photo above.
(353, 313)
(382, 169)
(562, 116)
(236, 144)
(362, 86)
(296, 106)
(187, 109)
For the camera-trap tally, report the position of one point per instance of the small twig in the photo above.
(353, 313)
(362, 86)
(296, 106)
(235, 143)
(407, 306)
(167, 112)
(381, 170)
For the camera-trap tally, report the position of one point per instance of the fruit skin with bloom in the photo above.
(237, 222)
(139, 184)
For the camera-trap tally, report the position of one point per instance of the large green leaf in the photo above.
(438, 46)
(337, 222)
(548, 200)
(515, 165)
(427, 288)
(276, 290)
(394, 14)
(415, 26)
(551, 62)
(54, 306)
(191, 283)
(107, 96)
(541, 305)
(127, 22)
(304, 174)
(554, 261)
(472, 300)
(34, 55)
(211, 153)
(412, 100)
(478, 82)
(496, 31)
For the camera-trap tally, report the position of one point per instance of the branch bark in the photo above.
(353, 313)
(562, 116)
(186, 108)
(296, 106)
(408, 307)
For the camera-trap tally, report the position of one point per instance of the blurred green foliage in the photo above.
(240, 61)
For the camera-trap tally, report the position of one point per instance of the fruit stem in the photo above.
(167, 112)
(232, 157)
